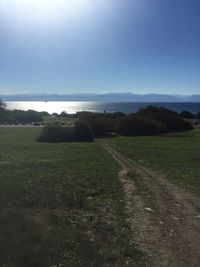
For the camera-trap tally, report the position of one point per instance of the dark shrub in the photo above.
(114, 115)
(21, 116)
(149, 110)
(198, 115)
(171, 123)
(2, 104)
(187, 115)
(83, 132)
(52, 134)
(170, 120)
(95, 121)
(58, 134)
(2, 111)
(137, 125)
(100, 123)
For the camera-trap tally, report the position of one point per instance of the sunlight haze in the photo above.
(93, 46)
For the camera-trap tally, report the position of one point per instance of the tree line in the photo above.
(18, 116)
(147, 121)
(150, 120)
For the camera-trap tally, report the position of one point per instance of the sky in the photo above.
(99, 46)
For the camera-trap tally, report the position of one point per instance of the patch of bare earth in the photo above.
(166, 222)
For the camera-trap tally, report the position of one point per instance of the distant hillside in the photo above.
(110, 97)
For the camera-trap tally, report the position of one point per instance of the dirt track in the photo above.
(165, 218)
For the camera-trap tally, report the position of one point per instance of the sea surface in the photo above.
(72, 107)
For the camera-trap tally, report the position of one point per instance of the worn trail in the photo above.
(164, 217)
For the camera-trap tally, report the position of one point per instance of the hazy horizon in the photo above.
(96, 93)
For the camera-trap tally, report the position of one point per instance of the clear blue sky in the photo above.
(95, 46)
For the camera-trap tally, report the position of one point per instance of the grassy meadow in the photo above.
(59, 120)
(175, 155)
(61, 205)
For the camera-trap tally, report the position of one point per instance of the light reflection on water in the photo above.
(72, 107)
(57, 106)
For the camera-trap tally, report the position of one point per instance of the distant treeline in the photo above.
(147, 121)
(184, 114)
(19, 116)
(88, 125)
(55, 133)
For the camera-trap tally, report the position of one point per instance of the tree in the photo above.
(138, 125)
(83, 132)
(198, 115)
(2, 105)
(2, 110)
(187, 115)
(171, 120)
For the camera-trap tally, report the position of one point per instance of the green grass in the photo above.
(61, 205)
(175, 155)
(59, 120)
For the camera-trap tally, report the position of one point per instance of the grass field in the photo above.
(59, 120)
(61, 205)
(175, 155)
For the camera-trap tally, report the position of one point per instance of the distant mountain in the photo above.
(110, 97)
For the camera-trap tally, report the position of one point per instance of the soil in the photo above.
(164, 217)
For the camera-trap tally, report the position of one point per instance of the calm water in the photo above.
(73, 107)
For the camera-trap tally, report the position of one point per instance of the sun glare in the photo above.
(42, 13)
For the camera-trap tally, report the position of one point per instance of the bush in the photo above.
(2, 111)
(21, 116)
(52, 134)
(149, 110)
(83, 132)
(198, 115)
(2, 104)
(170, 120)
(95, 121)
(187, 115)
(59, 134)
(137, 125)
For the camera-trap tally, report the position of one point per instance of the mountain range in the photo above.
(109, 97)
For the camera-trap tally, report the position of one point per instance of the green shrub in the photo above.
(137, 125)
(149, 110)
(187, 115)
(95, 121)
(198, 115)
(53, 134)
(21, 116)
(83, 132)
(169, 119)
(59, 134)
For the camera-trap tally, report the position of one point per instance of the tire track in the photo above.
(168, 228)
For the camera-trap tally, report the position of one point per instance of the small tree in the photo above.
(57, 134)
(137, 125)
(2, 105)
(187, 115)
(2, 111)
(83, 132)
(198, 115)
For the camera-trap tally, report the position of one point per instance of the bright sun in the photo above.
(47, 12)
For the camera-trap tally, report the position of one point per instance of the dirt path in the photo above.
(165, 218)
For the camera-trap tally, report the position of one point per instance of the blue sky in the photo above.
(93, 46)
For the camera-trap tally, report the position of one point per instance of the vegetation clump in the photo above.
(187, 115)
(198, 115)
(170, 120)
(58, 134)
(99, 123)
(138, 125)
(85, 126)
(19, 116)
